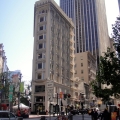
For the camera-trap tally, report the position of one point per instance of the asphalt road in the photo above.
(75, 117)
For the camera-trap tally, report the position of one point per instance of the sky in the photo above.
(16, 32)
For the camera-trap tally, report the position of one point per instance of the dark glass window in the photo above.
(41, 27)
(41, 19)
(40, 37)
(40, 88)
(40, 99)
(39, 76)
(40, 46)
(40, 55)
(39, 65)
(81, 64)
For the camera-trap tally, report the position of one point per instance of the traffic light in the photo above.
(61, 95)
(65, 96)
(68, 95)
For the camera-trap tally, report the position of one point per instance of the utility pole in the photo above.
(19, 92)
(57, 104)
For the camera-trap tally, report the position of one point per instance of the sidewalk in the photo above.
(38, 116)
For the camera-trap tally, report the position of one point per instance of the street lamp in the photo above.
(82, 104)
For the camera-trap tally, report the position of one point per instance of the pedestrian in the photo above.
(95, 115)
(46, 112)
(106, 115)
(118, 113)
(18, 113)
(91, 113)
(99, 113)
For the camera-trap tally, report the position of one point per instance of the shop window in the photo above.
(40, 88)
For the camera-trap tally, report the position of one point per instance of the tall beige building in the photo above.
(53, 56)
(85, 70)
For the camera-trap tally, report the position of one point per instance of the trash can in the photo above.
(42, 118)
(20, 118)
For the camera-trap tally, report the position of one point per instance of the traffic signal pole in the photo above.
(57, 104)
(19, 93)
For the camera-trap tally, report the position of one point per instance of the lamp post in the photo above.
(82, 104)
(50, 108)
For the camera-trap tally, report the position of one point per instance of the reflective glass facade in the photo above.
(83, 14)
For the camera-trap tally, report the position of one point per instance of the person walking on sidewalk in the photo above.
(106, 115)
(95, 115)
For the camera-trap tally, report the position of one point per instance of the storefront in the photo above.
(39, 105)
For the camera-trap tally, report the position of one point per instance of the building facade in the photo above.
(85, 70)
(3, 60)
(89, 17)
(53, 56)
(3, 74)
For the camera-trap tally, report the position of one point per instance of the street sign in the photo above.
(10, 92)
(50, 84)
(10, 97)
(10, 88)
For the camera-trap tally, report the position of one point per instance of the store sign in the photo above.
(50, 90)
(10, 93)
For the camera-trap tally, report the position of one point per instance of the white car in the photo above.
(6, 115)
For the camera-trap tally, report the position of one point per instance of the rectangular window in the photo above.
(39, 76)
(41, 19)
(40, 46)
(40, 99)
(40, 37)
(40, 88)
(81, 64)
(41, 27)
(39, 55)
(39, 65)
(81, 71)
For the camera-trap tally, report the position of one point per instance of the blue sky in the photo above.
(16, 32)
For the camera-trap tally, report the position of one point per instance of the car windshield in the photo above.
(11, 115)
(4, 115)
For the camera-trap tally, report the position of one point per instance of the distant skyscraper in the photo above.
(89, 31)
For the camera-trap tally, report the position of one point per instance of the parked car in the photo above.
(83, 111)
(74, 112)
(6, 115)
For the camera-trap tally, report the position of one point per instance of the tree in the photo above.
(109, 75)
(116, 35)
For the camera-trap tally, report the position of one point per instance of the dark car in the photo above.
(83, 111)
(6, 115)
(74, 112)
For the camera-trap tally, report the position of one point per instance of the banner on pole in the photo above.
(22, 87)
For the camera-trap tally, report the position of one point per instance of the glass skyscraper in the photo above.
(89, 31)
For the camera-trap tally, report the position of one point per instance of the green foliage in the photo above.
(24, 100)
(108, 74)
(116, 35)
